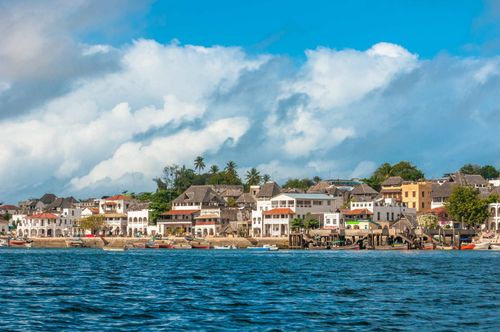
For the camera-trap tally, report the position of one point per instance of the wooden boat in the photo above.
(441, 247)
(200, 245)
(258, 248)
(75, 243)
(469, 246)
(265, 247)
(229, 247)
(151, 245)
(347, 247)
(393, 247)
(139, 245)
(182, 246)
(165, 245)
(482, 246)
(19, 243)
(428, 246)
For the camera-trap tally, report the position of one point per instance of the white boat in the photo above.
(114, 248)
(232, 246)
(495, 246)
(482, 246)
(271, 247)
(4, 243)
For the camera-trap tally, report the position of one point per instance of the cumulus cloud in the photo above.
(339, 113)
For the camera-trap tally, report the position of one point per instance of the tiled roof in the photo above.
(119, 198)
(356, 212)
(43, 216)
(278, 211)
(8, 207)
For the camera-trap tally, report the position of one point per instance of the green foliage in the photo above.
(297, 224)
(486, 171)
(310, 222)
(266, 178)
(7, 216)
(253, 177)
(465, 205)
(199, 164)
(304, 183)
(428, 221)
(404, 169)
(231, 202)
(93, 223)
(214, 169)
(316, 179)
(161, 201)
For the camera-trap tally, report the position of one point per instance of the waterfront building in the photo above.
(417, 195)
(138, 218)
(4, 226)
(176, 221)
(363, 192)
(114, 209)
(493, 222)
(197, 198)
(209, 223)
(10, 209)
(332, 220)
(391, 188)
(441, 193)
(273, 216)
(384, 209)
(50, 224)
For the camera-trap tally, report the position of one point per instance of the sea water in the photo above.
(197, 290)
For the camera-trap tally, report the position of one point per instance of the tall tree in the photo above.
(230, 167)
(404, 169)
(266, 178)
(464, 205)
(470, 169)
(199, 164)
(489, 172)
(253, 177)
(93, 223)
(316, 179)
(303, 184)
(214, 169)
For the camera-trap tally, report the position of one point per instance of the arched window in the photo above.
(135, 219)
(140, 219)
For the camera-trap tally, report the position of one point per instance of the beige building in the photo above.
(417, 195)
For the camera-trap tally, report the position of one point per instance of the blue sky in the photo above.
(96, 97)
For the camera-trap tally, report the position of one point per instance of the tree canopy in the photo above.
(93, 223)
(486, 171)
(465, 205)
(303, 184)
(406, 170)
(429, 221)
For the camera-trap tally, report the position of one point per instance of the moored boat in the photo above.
(347, 247)
(442, 247)
(265, 247)
(469, 246)
(482, 246)
(115, 248)
(428, 246)
(165, 245)
(495, 246)
(182, 246)
(151, 245)
(200, 245)
(139, 245)
(229, 247)
(19, 243)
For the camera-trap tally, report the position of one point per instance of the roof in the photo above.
(119, 198)
(43, 216)
(179, 212)
(469, 179)
(278, 211)
(226, 190)
(393, 181)
(138, 206)
(199, 194)
(64, 203)
(440, 209)
(364, 189)
(269, 189)
(111, 203)
(320, 187)
(246, 198)
(307, 196)
(356, 212)
(443, 190)
(8, 207)
(48, 198)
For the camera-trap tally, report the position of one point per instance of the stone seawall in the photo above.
(97, 242)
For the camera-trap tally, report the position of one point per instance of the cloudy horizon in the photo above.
(93, 103)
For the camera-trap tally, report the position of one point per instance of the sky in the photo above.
(96, 97)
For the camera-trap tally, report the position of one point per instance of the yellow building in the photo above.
(417, 195)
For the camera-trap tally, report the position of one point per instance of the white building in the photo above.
(272, 217)
(493, 222)
(114, 209)
(138, 222)
(384, 209)
(50, 224)
(332, 220)
(4, 226)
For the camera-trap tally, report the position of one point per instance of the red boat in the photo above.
(428, 246)
(152, 245)
(19, 243)
(469, 246)
(165, 245)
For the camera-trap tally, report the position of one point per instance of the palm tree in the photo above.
(214, 169)
(316, 179)
(253, 177)
(231, 167)
(297, 224)
(266, 178)
(199, 164)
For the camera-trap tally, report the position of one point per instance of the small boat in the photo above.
(19, 243)
(151, 245)
(347, 247)
(428, 246)
(75, 243)
(441, 247)
(495, 246)
(265, 247)
(229, 247)
(200, 245)
(469, 246)
(182, 246)
(482, 246)
(258, 248)
(139, 245)
(165, 245)
(392, 247)
(115, 248)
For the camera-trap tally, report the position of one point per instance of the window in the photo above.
(414, 194)
(414, 205)
(423, 205)
(406, 194)
(423, 193)
(378, 215)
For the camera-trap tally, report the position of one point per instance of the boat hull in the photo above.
(482, 246)
(495, 247)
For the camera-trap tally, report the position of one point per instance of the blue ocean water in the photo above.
(149, 290)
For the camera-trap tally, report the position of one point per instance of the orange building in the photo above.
(417, 195)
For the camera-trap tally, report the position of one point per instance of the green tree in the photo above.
(92, 223)
(465, 205)
(253, 177)
(428, 221)
(266, 178)
(404, 169)
(316, 179)
(214, 169)
(161, 201)
(489, 172)
(470, 169)
(199, 164)
(310, 222)
(231, 202)
(303, 184)
(230, 167)
(297, 224)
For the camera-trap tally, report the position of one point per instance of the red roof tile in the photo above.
(278, 211)
(356, 212)
(43, 216)
(118, 198)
